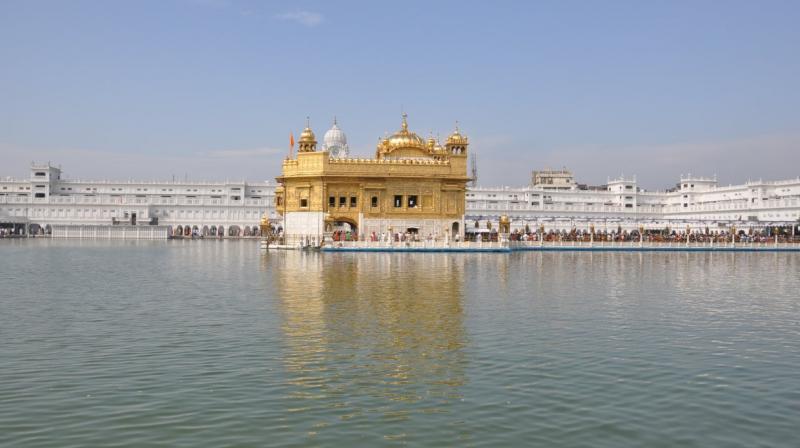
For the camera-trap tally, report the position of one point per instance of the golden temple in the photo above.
(413, 186)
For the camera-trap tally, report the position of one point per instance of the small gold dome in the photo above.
(457, 139)
(308, 141)
(307, 136)
(431, 143)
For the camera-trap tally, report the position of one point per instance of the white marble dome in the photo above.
(335, 142)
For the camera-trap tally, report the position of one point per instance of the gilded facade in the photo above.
(412, 185)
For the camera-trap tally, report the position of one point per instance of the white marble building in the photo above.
(201, 208)
(235, 208)
(695, 201)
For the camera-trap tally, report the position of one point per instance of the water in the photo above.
(211, 344)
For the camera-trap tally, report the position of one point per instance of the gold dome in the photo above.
(307, 136)
(308, 141)
(404, 139)
(457, 139)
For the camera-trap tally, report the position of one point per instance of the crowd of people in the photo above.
(386, 237)
(344, 235)
(656, 236)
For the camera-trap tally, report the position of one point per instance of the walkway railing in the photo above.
(507, 246)
(556, 245)
(110, 232)
(430, 245)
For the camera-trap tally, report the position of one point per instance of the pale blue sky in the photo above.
(212, 88)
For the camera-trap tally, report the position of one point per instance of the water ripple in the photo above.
(213, 344)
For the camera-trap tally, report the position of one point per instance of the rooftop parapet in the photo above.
(388, 161)
(690, 178)
(622, 179)
(313, 164)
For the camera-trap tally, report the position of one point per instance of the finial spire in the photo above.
(308, 121)
(457, 126)
(334, 121)
(405, 122)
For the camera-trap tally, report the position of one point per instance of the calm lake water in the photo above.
(212, 343)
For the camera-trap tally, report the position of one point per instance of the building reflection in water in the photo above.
(368, 333)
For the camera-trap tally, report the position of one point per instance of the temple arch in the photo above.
(342, 226)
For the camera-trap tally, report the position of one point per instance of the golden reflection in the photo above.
(364, 331)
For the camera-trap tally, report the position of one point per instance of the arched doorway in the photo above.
(178, 231)
(187, 231)
(205, 231)
(234, 231)
(195, 231)
(213, 231)
(345, 229)
(221, 231)
(455, 229)
(246, 231)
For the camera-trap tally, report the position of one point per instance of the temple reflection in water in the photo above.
(393, 335)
